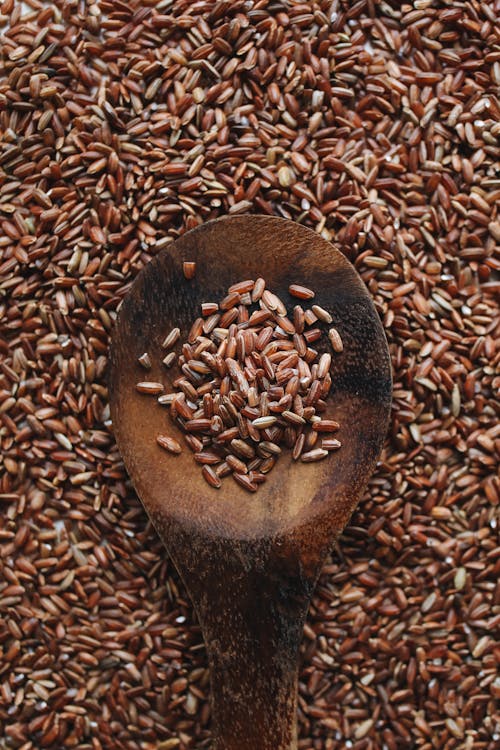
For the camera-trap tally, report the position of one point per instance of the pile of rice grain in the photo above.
(122, 126)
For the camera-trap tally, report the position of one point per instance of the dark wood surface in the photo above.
(250, 562)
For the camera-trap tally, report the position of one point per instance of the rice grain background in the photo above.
(122, 125)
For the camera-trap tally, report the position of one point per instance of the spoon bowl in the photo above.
(250, 562)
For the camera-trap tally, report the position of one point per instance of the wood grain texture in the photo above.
(250, 562)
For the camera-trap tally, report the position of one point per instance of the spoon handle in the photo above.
(254, 684)
(251, 606)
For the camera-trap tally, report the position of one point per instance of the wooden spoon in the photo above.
(250, 561)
